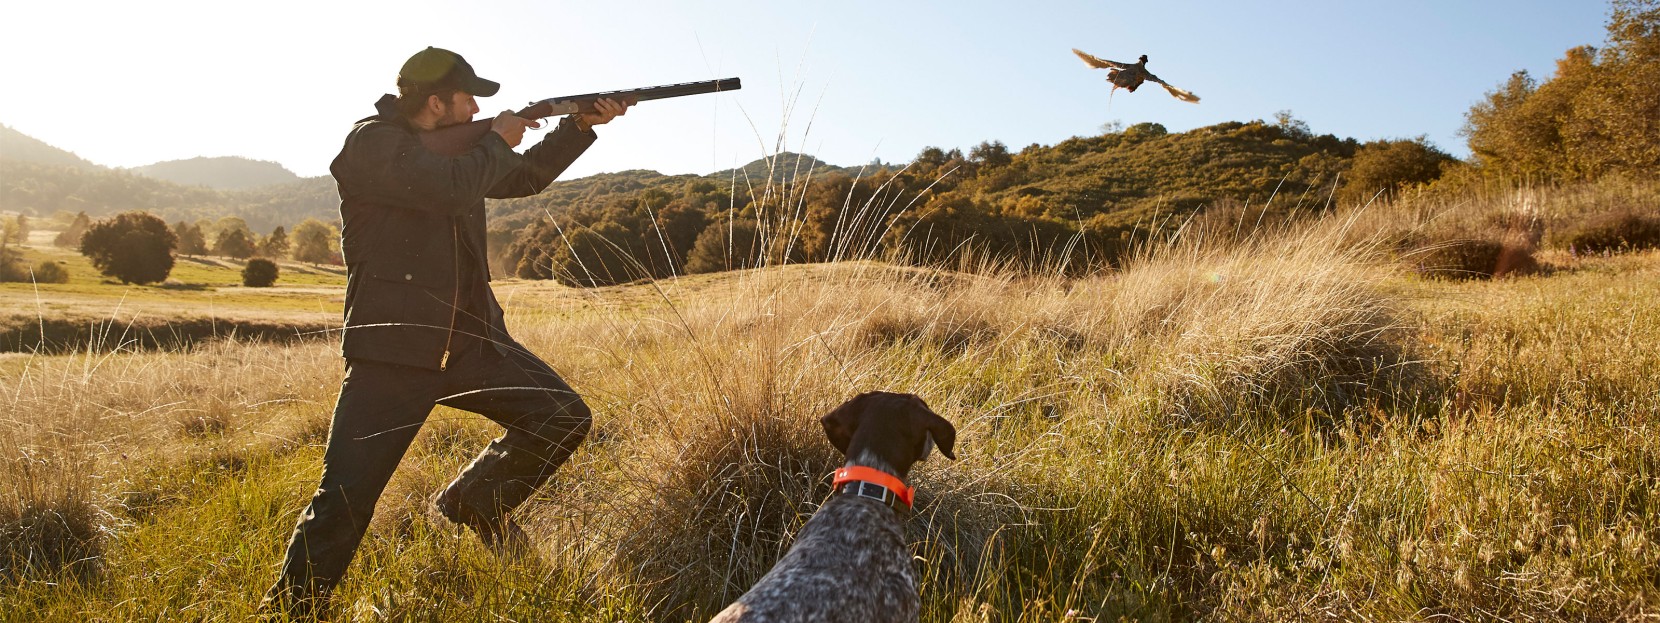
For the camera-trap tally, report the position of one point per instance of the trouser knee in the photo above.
(569, 428)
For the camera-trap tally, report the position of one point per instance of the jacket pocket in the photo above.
(424, 275)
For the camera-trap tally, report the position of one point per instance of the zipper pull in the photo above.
(444, 362)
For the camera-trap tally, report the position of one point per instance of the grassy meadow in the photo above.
(203, 297)
(1274, 422)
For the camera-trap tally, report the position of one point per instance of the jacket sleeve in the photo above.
(393, 168)
(545, 161)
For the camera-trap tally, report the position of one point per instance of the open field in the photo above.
(1284, 426)
(202, 298)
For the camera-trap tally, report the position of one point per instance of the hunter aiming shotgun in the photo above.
(457, 139)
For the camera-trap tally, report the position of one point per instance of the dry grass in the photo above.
(1276, 424)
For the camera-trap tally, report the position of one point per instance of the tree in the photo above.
(313, 241)
(71, 236)
(1293, 127)
(233, 242)
(276, 244)
(190, 238)
(259, 273)
(18, 230)
(232, 222)
(1147, 130)
(1389, 166)
(725, 245)
(1598, 114)
(208, 229)
(134, 247)
(990, 154)
(597, 256)
(12, 266)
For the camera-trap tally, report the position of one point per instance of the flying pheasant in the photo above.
(1127, 76)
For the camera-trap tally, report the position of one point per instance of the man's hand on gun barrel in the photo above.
(606, 110)
(511, 127)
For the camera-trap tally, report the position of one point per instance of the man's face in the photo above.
(460, 109)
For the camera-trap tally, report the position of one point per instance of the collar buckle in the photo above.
(875, 484)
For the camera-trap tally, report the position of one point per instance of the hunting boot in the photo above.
(498, 481)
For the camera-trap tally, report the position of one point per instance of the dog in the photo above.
(850, 562)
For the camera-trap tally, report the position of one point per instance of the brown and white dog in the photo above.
(850, 562)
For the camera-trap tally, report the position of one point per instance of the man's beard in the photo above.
(452, 116)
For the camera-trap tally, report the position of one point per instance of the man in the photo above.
(424, 328)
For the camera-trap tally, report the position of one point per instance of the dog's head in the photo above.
(899, 428)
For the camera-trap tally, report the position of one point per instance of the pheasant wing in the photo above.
(1099, 63)
(1183, 95)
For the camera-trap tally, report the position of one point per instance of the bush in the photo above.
(12, 267)
(51, 272)
(134, 247)
(1475, 258)
(259, 273)
(1626, 230)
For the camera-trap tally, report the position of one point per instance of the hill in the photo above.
(1092, 196)
(16, 145)
(224, 173)
(1130, 175)
(780, 168)
(567, 196)
(39, 179)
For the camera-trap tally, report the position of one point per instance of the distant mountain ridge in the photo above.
(16, 145)
(223, 173)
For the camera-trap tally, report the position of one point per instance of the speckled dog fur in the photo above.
(850, 562)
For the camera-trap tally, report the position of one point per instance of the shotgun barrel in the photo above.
(457, 139)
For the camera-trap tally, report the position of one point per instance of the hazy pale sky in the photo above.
(130, 83)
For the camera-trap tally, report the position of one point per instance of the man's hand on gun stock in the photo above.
(512, 127)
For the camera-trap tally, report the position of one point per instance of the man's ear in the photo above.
(937, 432)
(436, 105)
(840, 424)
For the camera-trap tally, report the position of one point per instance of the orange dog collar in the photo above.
(864, 479)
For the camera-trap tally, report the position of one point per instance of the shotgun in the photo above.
(457, 139)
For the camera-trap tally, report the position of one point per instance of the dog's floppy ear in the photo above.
(939, 432)
(840, 423)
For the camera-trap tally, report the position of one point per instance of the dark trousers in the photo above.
(382, 406)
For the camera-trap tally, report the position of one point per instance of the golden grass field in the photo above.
(1282, 425)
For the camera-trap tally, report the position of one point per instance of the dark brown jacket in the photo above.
(410, 220)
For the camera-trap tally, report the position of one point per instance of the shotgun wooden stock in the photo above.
(457, 139)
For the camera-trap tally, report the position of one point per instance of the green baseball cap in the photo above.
(438, 68)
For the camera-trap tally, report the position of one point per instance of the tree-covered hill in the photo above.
(38, 179)
(565, 196)
(44, 190)
(1087, 195)
(1120, 177)
(223, 173)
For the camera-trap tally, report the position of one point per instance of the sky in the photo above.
(131, 83)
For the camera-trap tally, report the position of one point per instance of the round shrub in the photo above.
(1616, 232)
(134, 247)
(51, 272)
(259, 273)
